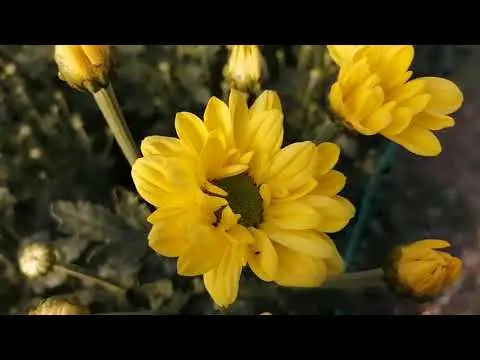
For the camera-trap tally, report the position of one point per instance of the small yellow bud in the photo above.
(36, 259)
(244, 67)
(84, 66)
(423, 270)
(266, 313)
(52, 306)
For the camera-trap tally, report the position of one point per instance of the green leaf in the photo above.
(84, 219)
(131, 208)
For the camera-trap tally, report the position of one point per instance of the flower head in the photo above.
(423, 270)
(53, 306)
(244, 67)
(83, 67)
(228, 195)
(36, 259)
(374, 95)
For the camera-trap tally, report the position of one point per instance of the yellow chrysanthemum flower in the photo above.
(374, 94)
(425, 271)
(228, 195)
(244, 66)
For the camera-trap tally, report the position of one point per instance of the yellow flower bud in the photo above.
(423, 270)
(84, 66)
(36, 259)
(244, 67)
(266, 313)
(52, 306)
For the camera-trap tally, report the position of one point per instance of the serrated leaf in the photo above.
(131, 208)
(83, 219)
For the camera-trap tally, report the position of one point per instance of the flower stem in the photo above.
(79, 273)
(328, 132)
(356, 280)
(110, 108)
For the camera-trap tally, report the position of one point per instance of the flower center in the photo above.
(244, 198)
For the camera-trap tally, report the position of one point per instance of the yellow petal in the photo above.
(237, 104)
(228, 219)
(419, 141)
(327, 156)
(335, 212)
(401, 119)
(342, 53)
(330, 184)
(433, 121)
(446, 96)
(307, 242)
(268, 100)
(429, 244)
(214, 189)
(157, 179)
(380, 118)
(240, 234)
(455, 270)
(262, 256)
(334, 263)
(406, 91)
(417, 103)
(191, 131)
(161, 145)
(213, 155)
(335, 98)
(205, 250)
(222, 282)
(295, 215)
(397, 61)
(292, 166)
(164, 242)
(299, 192)
(298, 270)
(217, 117)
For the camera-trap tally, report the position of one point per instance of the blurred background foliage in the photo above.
(63, 180)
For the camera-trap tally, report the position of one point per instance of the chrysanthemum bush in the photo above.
(252, 185)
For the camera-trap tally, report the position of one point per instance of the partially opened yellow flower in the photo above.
(228, 195)
(374, 95)
(423, 270)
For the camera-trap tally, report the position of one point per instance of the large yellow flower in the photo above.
(374, 94)
(228, 195)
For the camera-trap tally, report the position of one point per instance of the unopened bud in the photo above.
(244, 67)
(52, 306)
(36, 259)
(84, 67)
(422, 270)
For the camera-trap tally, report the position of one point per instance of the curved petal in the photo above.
(298, 270)
(262, 256)
(342, 53)
(191, 131)
(205, 250)
(268, 100)
(330, 184)
(217, 117)
(446, 96)
(222, 282)
(327, 156)
(291, 167)
(161, 145)
(335, 212)
(418, 140)
(237, 104)
(165, 242)
(307, 242)
(433, 121)
(295, 215)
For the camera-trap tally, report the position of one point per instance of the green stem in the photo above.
(356, 280)
(80, 273)
(328, 132)
(108, 104)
